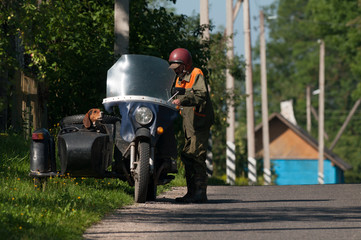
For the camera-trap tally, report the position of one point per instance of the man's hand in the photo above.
(176, 102)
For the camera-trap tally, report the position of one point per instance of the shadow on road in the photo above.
(205, 214)
(212, 201)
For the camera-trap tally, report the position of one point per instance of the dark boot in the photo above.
(190, 189)
(200, 191)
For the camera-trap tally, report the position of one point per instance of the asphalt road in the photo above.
(250, 212)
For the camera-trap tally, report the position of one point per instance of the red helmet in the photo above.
(181, 55)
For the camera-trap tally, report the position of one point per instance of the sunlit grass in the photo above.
(64, 209)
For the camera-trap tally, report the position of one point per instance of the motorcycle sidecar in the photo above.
(82, 152)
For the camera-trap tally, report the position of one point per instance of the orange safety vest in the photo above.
(185, 84)
(196, 118)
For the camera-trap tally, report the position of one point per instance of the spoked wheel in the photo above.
(141, 177)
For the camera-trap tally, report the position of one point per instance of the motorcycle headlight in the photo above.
(143, 115)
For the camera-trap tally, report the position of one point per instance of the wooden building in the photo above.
(294, 154)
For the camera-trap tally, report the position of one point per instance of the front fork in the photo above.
(133, 157)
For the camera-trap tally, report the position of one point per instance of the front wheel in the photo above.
(152, 190)
(141, 177)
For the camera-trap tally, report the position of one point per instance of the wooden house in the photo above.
(294, 154)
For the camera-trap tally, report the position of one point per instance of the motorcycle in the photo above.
(138, 146)
(140, 86)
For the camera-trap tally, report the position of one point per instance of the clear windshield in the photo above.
(134, 76)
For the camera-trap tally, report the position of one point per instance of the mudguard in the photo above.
(42, 152)
(143, 132)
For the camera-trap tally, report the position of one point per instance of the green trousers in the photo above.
(194, 154)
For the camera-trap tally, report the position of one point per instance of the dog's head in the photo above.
(91, 117)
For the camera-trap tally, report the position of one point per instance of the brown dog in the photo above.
(91, 118)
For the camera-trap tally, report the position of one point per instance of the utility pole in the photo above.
(308, 108)
(252, 164)
(231, 147)
(321, 109)
(121, 27)
(236, 8)
(204, 21)
(204, 18)
(265, 129)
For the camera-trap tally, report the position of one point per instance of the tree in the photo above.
(158, 31)
(7, 56)
(69, 44)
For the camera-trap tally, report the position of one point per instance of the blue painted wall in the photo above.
(299, 171)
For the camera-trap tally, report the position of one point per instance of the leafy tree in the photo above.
(7, 56)
(69, 44)
(158, 31)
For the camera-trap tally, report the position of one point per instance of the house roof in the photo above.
(328, 154)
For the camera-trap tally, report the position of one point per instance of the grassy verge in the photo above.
(63, 211)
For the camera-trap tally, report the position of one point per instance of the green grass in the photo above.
(63, 210)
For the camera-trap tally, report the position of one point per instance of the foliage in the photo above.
(158, 31)
(70, 43)
(7, 56)
(7, 53)
(68, 48)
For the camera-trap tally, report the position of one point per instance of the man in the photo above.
(197, 114)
